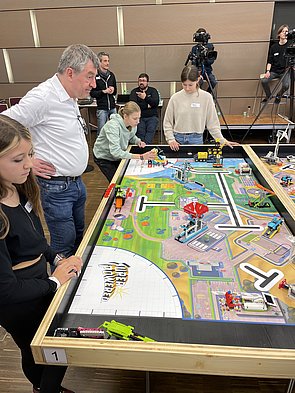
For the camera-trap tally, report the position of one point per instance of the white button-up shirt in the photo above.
(53, 119)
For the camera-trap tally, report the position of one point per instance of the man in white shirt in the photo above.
(51, 113)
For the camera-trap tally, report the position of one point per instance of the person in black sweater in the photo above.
(147, 98)
(26, 290)
(105, 91)
(276, 65)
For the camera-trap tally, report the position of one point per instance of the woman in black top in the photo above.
(25, 288)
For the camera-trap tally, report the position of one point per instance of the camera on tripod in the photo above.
(201, 37)
(200, 53)
(291, 34)
(290, 50)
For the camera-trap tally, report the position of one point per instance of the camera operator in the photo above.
(277, 64)
(203, 56)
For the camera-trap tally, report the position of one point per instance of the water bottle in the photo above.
(248, 111)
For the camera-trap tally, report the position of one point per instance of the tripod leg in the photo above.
(265, 104)
(218, 106)
(291, 114)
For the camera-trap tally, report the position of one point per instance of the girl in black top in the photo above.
(25, 288)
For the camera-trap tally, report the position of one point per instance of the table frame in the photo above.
(163, 356)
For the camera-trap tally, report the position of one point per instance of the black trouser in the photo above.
(107, 167)
(21, 320)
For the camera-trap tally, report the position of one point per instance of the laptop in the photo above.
(122, 98)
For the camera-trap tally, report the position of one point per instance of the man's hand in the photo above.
(43, 168)
(141, 94)
(109, 90)
(267, 75)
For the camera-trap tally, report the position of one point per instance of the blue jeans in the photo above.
(146, 129)
(188, 139)
(273, 75)
(63, 204)
(102, 117)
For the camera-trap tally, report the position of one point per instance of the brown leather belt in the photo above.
(25, 264)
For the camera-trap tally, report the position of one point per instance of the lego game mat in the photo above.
(283, 170)
(185, 240)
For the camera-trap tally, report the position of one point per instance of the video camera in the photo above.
(201, 37)
(200, 53)
(290, 50)
(291, 34)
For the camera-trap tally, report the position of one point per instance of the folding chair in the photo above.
(14, 100)
(3, 107)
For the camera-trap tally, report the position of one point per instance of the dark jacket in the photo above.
(277, 57)
(104, 101)
(149, 105)
(199, 59)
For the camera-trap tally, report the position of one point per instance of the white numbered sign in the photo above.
(55, 355)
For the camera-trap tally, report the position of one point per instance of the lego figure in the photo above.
(286, 181)
(290, 287)
(273, 227)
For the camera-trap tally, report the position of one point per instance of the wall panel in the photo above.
(3, 73)
(175, 24)
(15, 29)
(37, 4)
(164, 63)
(241, 61)
(126, 62)
(44, 60)
(15, 90)
(92, 26)
(237, 88)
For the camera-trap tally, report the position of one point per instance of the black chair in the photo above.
(14, 100)
(3, 107)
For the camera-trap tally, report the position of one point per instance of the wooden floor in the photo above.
(84, 380)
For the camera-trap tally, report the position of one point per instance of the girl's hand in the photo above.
(231, 144)
(67, 268)
(150, 155)
(174, 145)
(142, 144)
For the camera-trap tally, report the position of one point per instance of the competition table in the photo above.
(182, 345)
(285, 166)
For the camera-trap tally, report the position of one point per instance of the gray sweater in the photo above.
(191, 113)
(113, 140)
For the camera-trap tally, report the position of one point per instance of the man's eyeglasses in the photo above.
(82, 124)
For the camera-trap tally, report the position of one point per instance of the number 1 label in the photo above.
(55, 355)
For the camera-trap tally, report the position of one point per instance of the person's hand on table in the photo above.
(231, 144)
(141, 144)
(67, 268)
(150, 155)
(174, 145)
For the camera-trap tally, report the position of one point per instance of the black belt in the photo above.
(62, 178)
(187, 133)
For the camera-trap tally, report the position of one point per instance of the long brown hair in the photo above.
(11, 134)
(280, 29)
(189, 73)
